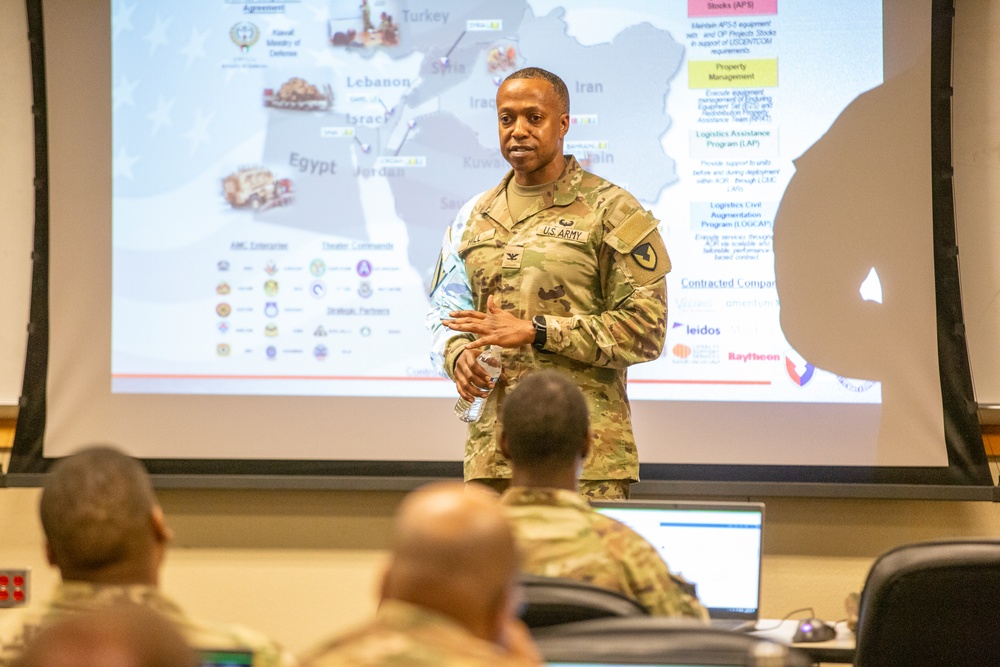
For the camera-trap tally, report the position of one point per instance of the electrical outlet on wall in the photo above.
(14, 587)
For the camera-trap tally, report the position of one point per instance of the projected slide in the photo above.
(283, 173)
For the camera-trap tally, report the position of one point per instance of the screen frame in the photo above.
(967, 476)
(755, 508)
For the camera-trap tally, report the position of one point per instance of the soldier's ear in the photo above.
(161, 531)
(502, 443)
(587, 444)
(383, 585)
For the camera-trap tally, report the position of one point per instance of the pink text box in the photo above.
(719, 8)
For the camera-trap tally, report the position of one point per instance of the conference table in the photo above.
(839, 650)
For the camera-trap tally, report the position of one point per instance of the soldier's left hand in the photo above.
(494, 327)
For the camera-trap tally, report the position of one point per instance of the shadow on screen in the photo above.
(854, 261)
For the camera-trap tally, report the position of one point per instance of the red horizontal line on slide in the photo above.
(137, 376)
(384, 378)
(747, 382)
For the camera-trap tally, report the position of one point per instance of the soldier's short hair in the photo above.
(95, 505)
(545, 419)
(558, 85)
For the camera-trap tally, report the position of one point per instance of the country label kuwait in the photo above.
(799, 370)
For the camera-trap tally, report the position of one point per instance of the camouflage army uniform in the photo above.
(77, 596)
(560, 535)
(589, 259)
(404, 634)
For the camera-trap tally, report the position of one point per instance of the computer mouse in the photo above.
(813, 630)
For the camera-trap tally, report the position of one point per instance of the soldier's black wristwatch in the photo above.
(541, 334)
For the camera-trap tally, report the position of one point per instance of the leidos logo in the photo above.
(696, 330)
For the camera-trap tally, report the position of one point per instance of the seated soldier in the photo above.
(546, 436)
(106, 533)
(449, 593)
(123, 635)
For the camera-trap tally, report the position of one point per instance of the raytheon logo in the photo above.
(753, 356)
(696, 330)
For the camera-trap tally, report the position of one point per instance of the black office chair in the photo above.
(650, 640)
(930, 604)
(552, 600)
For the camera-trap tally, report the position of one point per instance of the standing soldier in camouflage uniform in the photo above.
(563, 270)
(106, 533)
(546, 436)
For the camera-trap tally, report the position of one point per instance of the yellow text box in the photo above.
(761, 73)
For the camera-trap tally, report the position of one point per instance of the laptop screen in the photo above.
(225, 658)
(715, 546)
(627, 664)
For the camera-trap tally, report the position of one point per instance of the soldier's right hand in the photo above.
(471, 380)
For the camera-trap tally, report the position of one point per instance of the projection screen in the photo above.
(246, 202)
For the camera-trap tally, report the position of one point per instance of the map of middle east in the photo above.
(421, 114)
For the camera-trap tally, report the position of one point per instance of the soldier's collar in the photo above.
(561, 194)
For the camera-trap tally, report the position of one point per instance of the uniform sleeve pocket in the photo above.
(638, 240)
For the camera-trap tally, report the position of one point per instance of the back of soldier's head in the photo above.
(453, 551)
(545, 421)
(446, 530)
(95, 509)
(126, 635)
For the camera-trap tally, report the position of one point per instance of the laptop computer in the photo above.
(714, 545)
(225, 658)
(631, 664)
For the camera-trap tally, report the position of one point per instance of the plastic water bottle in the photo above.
(489, 361)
